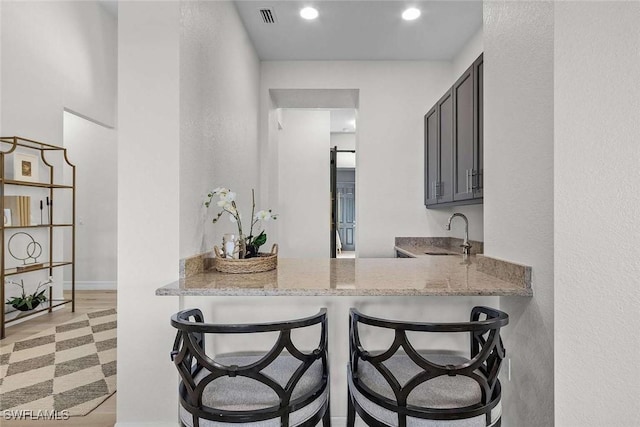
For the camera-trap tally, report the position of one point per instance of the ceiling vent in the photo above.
(267, 15)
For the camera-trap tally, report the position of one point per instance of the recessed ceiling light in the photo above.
(309, 13)
(410, 14)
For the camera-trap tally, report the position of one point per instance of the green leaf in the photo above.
(260, 240)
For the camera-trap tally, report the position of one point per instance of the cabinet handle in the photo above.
(469, 177)
(475, 180)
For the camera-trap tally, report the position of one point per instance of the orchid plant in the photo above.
(227, 203)
(28, 302)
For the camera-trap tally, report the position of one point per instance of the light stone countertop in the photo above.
(423, 276)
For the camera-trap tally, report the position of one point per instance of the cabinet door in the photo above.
(463, 136)
(431, 157)
(445, 148)
(479, 128)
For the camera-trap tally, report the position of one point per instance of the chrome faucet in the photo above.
(466, 246)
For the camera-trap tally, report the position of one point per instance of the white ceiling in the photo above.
(361, 30)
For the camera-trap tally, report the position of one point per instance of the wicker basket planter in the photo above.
(263, 262)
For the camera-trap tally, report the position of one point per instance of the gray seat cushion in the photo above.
(441, 392)
(242, 393)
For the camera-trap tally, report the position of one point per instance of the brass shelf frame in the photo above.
(8, 146)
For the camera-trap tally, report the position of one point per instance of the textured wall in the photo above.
(518, 202)
(394, 96)
(219, 80)
(597, 170)
(148, 208)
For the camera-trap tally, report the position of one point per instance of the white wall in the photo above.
(148, 209)
(393, 99)
(303, 208)
(469, 53)
(344, 141)
(93, 149)
(219, 81)
(55, 55)
(518, 202)
(597, 158)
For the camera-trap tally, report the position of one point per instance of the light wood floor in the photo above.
(86, 301)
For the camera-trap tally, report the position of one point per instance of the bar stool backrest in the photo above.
(487, 353)
(190, 359)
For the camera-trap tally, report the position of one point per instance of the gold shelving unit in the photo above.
(8, 147)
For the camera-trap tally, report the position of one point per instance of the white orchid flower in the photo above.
(229, 196)
(263, 215)
(220, 190)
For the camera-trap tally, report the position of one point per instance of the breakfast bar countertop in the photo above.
(452, 275)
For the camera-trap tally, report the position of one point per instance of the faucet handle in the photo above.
(447, 227)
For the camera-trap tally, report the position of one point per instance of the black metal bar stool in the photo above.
(415, 388)
(284, 387)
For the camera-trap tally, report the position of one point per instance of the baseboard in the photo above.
(92, 286)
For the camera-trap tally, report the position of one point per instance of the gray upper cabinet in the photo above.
(438, 144)
(454, 176)
(445, 147)
(463, 136)
(431, 157)
(479, 128)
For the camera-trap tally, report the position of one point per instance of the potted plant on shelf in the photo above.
(242, 248)
(28, 302)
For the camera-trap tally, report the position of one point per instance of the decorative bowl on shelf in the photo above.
(262, 262)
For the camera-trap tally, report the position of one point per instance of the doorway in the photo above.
(346, 199)
(303, 126)
(92, 147)
(343, 203)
